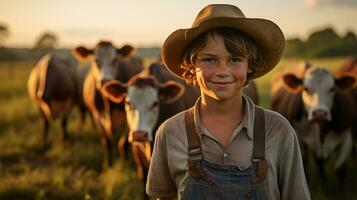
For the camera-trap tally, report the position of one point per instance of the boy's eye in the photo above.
(236, 59)
(208, 60)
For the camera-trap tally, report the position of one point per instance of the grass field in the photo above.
(31, 169)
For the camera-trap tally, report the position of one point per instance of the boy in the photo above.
(225, 147)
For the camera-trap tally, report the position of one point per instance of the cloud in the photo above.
(322, 3)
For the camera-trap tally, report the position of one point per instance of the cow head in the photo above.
(142, 96)
(104, 58)
(318, 87)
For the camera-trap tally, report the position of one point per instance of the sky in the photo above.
(147, 23)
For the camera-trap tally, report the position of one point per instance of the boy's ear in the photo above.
(292, 83)
(82, 53)
(114, 91)
(170, 91)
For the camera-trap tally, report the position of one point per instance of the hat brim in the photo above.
(266, 34)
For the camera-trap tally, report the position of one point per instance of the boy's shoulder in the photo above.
(275, 117)
(277, 126)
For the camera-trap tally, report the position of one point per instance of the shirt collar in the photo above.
(247, 121)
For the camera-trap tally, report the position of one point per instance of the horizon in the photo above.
(146, 24)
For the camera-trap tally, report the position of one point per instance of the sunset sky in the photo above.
(149, 22)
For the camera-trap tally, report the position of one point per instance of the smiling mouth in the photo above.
(222, 83)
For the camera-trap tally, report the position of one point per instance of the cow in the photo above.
(107, 63)
(321, 109)
(150, 98)
(54, 84)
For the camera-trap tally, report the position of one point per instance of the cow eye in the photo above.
(332, 90)
(129, 105)
(307, 90)
(98, 63)
(154, 105)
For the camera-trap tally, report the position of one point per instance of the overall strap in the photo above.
(194, 149)
(194, 146)
(259, 134)
(259, 161)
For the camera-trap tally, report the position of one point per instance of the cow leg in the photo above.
(320, 165)
(341, 173)
(142, 161)
(107, 162)
(123, 146)
(46, 125)
(82, 118)
(140, 168)
(305, 159)
(137, 157)
(64, 128)
(145, 172)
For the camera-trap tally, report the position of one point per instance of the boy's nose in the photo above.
(222, 70)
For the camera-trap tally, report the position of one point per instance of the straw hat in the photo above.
(266, 34)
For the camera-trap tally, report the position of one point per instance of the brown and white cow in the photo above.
(321, 110)
(107, 63)
(150, 98)
(54, 84)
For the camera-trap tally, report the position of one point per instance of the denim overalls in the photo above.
(208, 180)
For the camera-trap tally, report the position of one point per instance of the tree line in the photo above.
(322, 43)
(319, 44)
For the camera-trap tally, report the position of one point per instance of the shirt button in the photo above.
(225, 155)
(248, 195)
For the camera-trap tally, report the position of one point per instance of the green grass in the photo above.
(32, 169)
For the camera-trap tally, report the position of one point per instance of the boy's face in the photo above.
(219, 74)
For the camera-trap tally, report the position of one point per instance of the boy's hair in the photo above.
(236, 42)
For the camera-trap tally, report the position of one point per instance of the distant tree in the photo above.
(322, 43)
(327, 35)
(4, 33)
(350, 37)
(48, 40)
(293, 47)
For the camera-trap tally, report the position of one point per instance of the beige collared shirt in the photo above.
(168, 169)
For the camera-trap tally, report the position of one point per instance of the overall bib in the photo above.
(208, 180)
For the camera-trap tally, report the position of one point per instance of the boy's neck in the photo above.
(230, 108)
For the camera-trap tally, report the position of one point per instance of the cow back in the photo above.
(61, 81)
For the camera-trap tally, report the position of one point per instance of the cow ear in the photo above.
(125, 50)
(170, 91)
(82, 53)
(345, 82)
(114, 91)
(292, 82)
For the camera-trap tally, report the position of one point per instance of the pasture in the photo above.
(32, 169)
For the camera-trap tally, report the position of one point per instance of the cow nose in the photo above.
(319, 115)
(140, 136)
